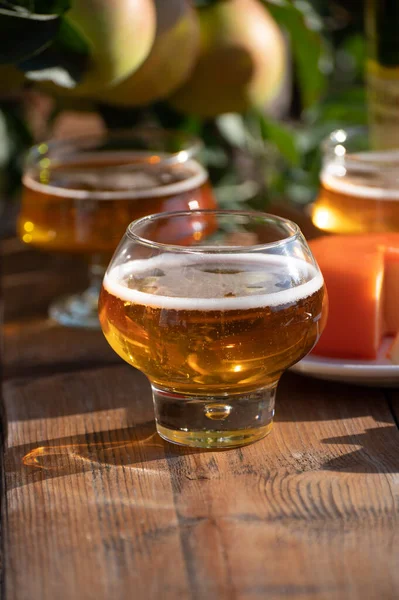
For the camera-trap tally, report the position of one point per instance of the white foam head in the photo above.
(120, 175)
(309, 279)
(379, 182)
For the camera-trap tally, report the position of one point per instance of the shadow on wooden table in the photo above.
(137, 447)
(378, 452)
(301, 398)
(104, 418)
(141, 448)
(304, 400)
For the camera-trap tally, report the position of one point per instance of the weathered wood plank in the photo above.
(393, 400)
(98, 506)
(20, 258)
(30, 294)
(37, 347)
(32, 279)
(95, 505)
(34, 344)
(17, 257)
(98, 521)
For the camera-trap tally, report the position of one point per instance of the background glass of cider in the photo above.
(81, 193)
(359, 186)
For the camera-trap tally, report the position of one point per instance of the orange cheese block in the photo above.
(362, 279)
(391, 290)
(393, 352)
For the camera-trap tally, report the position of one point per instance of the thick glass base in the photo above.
(78, 310)
(214, 439)
(214, 421)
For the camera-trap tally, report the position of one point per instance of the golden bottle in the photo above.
(382, 26)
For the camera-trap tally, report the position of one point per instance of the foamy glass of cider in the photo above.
(213, 320)
(359, 185)
(80, 194)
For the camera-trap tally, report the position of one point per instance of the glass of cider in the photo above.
(359, 185)
(213, 319)
(79, 195)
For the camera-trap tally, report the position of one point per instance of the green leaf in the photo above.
(47, 7)
(63, 62)
(15, 138)
(232, 127)
(233, 195)
(166, 116)
(5, 145)
(282, 137)
(310, 51)
(57, 7)
(201, 3)
(345, 107)
(23, 34)
(350, 59)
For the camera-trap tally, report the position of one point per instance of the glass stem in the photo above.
(80, 310)
(97, 268)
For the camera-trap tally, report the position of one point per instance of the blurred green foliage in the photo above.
(15, 138)
(328, 47)
(256, 159)
(252, 158)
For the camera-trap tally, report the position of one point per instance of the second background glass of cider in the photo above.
(81, 193)
(359, 187)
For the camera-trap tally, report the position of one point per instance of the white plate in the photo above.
(380, 372)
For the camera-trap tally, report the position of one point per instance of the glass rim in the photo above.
(342, 137)
(75, 148)
(192, 144)
(201, 249)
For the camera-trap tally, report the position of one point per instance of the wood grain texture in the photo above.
(17, 257)
(20, 258)
(98, 505)
(393, 401)
(38, 347)
(34, 344)
(29, 294)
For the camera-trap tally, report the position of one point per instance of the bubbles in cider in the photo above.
(212, 323)
(207, 282)
(359, 194)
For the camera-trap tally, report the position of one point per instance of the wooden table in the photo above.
(95, 506)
